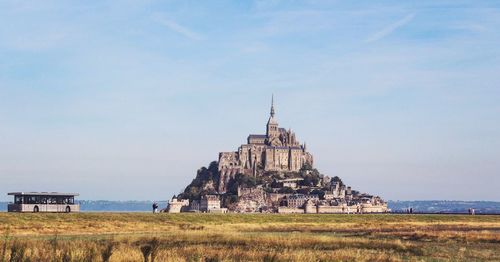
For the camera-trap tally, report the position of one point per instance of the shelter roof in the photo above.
(42, 194)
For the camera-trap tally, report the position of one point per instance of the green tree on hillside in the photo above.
(204, 176)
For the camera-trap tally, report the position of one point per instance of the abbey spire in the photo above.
(272, 124)
(272, 105)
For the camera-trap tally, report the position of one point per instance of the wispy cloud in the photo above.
(391, 28)
(172, 25)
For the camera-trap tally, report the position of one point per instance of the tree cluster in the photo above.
(197, 187)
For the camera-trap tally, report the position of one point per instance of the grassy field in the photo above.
(247, 237)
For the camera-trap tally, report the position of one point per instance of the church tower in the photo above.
(272, 124)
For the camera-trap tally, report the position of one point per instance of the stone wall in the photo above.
(331, 209)
(177, 206)
(290, 210)
(368, 208)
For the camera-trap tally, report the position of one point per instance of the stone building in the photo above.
(298, 200)
(277, 150)
(177, 205)
(211, 204)
(290, 182)
(252, 200)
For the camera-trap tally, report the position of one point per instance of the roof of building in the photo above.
(210, 197)
(42, 194)
(296, 196)
(290, 179)
(301, 196)
(256, 136)
(286, 147)
(272, 121)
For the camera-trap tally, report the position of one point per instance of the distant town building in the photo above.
(290, 182)
(298, 200)
(211, 204)
(177, 205)
(194, 206)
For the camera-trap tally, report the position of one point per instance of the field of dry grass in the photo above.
(247, 237)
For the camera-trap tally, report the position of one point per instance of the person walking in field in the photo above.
(155, 208)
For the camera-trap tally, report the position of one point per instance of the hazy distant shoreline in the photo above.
(423, 206)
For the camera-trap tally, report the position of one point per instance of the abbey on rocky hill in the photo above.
(277, 150)
(271, 173)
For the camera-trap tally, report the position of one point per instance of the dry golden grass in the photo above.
(247, 237)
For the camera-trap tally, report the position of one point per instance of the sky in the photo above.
(125, 100)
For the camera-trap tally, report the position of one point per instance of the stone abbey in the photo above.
(277, 150)
(271, 173)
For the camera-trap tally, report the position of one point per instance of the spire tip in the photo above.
(272, 105)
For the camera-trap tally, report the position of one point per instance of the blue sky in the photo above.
(127, 99)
